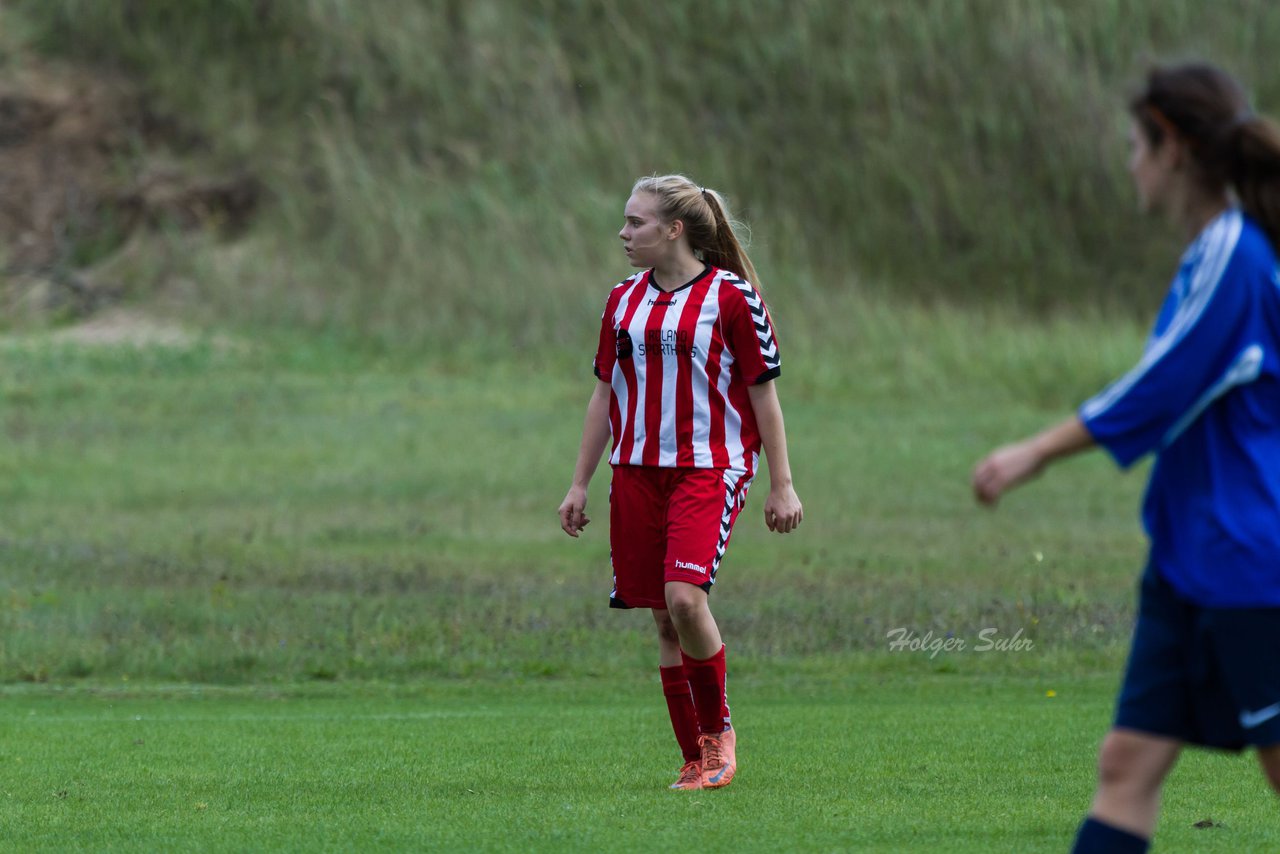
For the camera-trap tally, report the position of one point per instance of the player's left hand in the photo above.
(782, 510)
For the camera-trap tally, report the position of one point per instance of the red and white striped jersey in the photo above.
(680, 363)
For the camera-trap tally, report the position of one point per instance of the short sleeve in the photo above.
(749, 333)
(607, 347)
(1194, 360)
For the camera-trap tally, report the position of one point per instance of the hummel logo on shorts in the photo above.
(680, 564)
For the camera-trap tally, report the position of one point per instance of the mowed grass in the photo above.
(348, 562)
(847, 763)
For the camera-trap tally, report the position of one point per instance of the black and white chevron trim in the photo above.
(726, 525)
(623, 284)
(735, 493)
(629, 280)
(760, 318)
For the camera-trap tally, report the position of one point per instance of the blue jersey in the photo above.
(1205, 397)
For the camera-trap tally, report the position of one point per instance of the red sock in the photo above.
(684, 720)
(706, 679)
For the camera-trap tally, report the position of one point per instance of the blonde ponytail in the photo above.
(726, 250)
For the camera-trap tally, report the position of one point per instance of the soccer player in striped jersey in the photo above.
(686, 365)
(1204, 667)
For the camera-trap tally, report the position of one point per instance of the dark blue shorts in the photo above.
(1207, 676)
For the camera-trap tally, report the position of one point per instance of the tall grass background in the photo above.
(363, 481)
(450, 174)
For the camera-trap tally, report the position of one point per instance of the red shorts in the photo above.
(668, 524)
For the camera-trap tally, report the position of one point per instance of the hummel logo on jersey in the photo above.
(701, 570)
(1249, 720)
(679, 375)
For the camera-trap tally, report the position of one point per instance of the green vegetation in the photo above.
(298, 584)
(271, 511)
(455, 170)
(349, 560)
(853, 763)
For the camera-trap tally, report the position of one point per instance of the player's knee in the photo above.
(1115, 761)
(667, 629)
(1124, 763)
(684, 602)
(1119, 761)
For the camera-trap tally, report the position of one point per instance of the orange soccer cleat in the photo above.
(719, 759)
(690, 776)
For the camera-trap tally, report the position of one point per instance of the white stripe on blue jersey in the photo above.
(1206, 398)
(1244, 370)
(1217, 244)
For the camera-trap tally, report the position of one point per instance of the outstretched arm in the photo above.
(782, 509)
(595, 434)
(1013, 465)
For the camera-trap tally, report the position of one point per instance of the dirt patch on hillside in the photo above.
(86, 165)
(121, 327)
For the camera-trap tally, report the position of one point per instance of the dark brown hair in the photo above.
(1231, 145)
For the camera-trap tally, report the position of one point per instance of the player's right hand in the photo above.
(1004, 468)
(573, 511)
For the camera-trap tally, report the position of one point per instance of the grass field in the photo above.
(298, 584)
(850, 762)
(284, 593)
(246, 512)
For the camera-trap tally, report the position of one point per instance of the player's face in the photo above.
(645, 237)
(1151, 167)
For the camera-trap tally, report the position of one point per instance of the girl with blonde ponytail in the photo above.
(686, 363)
(1205, 400)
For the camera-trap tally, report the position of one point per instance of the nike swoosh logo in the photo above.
(716, 778)
(1249, 720)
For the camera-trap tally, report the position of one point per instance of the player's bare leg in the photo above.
(675, 686)
(668, 639)
(1269, 758)
(704, 662)
(1131, 769)
(699, 636)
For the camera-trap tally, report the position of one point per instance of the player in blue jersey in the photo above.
(1204, 668)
